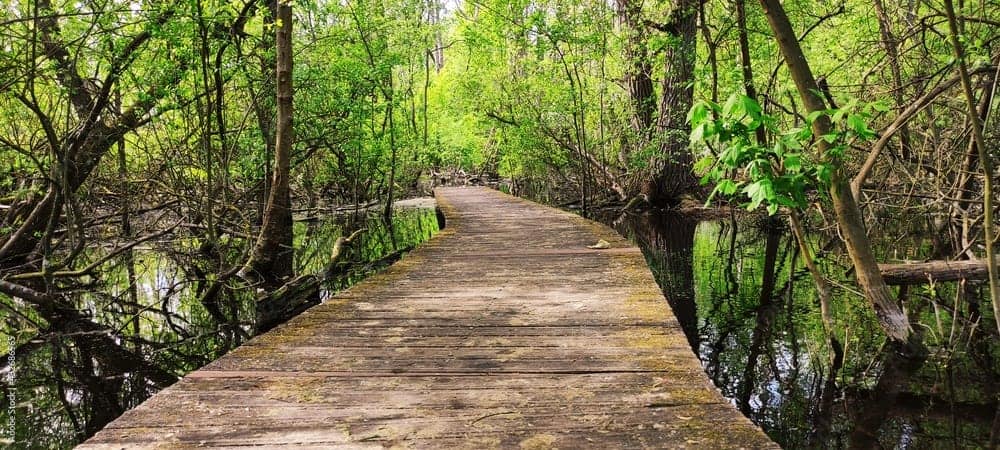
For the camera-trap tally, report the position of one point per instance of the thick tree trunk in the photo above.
(674, 176)
(263, 106)
(638, 69)
(890, 316)
(271, 261)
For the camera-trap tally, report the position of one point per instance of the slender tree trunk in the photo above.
(387, 212)
(745, 63)
(985, 160)
(128, 257)
(892, 51)
(713, 58)
(205, 110)
(967, 176)
(220, 125)
(263, 107)
(435, 19)
(890, 316)
(271, 261)
(427, 84)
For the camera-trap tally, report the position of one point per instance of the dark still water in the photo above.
(155, 314)
(750, 311)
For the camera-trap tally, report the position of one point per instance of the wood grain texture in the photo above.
(502, 331)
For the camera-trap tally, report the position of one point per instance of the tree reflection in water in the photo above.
(749, 308)
(155, 314)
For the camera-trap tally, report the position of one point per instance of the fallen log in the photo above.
(295, 296)
(299, 294)
(924, 272)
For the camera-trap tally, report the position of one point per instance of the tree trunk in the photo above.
(674, 176)
(638, 69)
(271, 261)
(891, 46)
(989, 236)
(745, 63)
(264, 108)
(390, 111)
(890, 316)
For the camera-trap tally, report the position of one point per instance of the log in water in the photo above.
(925, 272)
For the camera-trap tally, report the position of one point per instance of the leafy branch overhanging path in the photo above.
(504, 330)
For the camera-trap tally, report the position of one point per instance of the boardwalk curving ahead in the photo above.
(503, 331)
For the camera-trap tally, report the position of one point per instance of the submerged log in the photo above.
(924, 272)
(299, 294)
(295, 296)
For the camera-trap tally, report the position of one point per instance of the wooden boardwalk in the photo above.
(502, 331)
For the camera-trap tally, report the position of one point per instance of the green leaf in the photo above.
(838, 115)
(881, 106)
(793, 163)
(759, 192)
(704, 164)
(730, 156)
(727, 187)
(790, 142)
(857, 123)
(753, 190)
(836, 152)
(823, 173)
(814, 115)
(751, 107)
(804, 134)
(697, 134)
(731, 104)
(697, 114)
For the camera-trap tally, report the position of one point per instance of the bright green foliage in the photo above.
(772, 176)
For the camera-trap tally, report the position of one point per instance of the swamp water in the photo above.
(168, 317)
(750, 312)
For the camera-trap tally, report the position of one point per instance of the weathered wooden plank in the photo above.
(555, 339)
(503, 331)
(428, 327)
